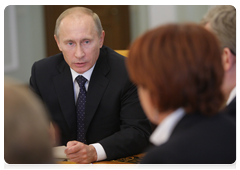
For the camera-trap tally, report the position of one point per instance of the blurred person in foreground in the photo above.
(111, 123)
(221, 20)
(27, 135)
(178, 72)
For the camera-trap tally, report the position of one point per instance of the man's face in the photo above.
(79, 42)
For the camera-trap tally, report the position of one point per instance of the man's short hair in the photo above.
(222, 21)
(81, 10)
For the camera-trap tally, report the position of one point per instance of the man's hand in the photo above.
(80, 153)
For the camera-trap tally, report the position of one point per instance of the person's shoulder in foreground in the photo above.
(197, 140)
(27, 134)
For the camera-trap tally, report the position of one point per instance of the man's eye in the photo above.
(70, 43)
(87, 42)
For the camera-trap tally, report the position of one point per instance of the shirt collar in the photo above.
(165, 128)
(231, 96)
(86, 74)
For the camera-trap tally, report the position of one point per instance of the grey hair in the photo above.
(222, 21)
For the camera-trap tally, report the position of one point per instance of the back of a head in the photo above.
(26, 127)
(222, 21)
(213, 11)
(180, 64)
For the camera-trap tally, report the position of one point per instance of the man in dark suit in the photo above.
(231, 108)
(114, 125)
(221, 20)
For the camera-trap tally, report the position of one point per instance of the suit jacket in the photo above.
(230, 109)
(197, 139)
(113, 115)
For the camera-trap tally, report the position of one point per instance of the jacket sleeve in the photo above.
(32, 82)
(135, 128)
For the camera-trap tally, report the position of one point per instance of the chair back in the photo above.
(123, 52)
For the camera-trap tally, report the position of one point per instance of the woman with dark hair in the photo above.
(178, 71)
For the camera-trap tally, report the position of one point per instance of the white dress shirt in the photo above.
(101, 154)
(231, 96)
(163, 131)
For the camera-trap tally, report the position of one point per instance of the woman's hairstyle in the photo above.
(80, 11)
(181, 67)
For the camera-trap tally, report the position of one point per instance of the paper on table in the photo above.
(58, 152)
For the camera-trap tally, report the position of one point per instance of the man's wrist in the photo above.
(101, 154)
(94, 152)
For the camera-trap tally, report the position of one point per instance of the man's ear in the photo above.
(58, 44)
(101, 39)
(228, 59)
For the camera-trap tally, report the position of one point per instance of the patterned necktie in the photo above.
(80, 107)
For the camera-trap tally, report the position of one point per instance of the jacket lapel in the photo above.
(64, 89)
(97, 86)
